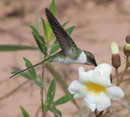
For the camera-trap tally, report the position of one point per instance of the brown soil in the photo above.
(98, 24)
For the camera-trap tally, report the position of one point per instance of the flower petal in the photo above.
(101, 101)
(77, 89)
(103, 68)
(84, 76)
(103, 80)
(89, 103)
(115, 93)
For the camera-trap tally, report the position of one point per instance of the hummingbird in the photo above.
(70, 53)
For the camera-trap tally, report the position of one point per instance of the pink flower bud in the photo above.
(127, 39)
(116, 61)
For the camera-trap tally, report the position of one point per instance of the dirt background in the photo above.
(98, 24)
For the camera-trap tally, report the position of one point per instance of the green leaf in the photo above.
(65, 23)
(33, 29)
(51, 93)
(52, 7)
(49, 31)
(82, 111)
(40, 45)
(55, 47)
(64, 99)
(39, 84)
(16, 48)
(24, 75)
(40, 38)
(44, 28)
(25, 113)
(32, 71)
(70, 30)
(55, 111)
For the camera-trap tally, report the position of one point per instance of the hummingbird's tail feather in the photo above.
(49, 60)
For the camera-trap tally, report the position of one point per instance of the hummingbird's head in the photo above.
(90, 59)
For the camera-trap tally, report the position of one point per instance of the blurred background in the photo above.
(98, 24)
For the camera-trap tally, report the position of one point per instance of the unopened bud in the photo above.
(116, 61)
(127, 49)
(127, 39)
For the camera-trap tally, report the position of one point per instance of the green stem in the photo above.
(116, 71)
(41, 92)
(126, 79)
(124, 72)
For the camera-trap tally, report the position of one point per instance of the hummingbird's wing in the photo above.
(62, 36)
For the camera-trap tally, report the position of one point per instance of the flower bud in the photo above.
(127, 39)
(116, 61)
(127, 49)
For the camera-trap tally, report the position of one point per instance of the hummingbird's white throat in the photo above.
(80, 60)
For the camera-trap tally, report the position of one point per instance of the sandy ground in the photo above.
(97, 26)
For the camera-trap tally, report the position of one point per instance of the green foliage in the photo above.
(52, 7)
(25, 113)
(44, 29)
(55, 111)
(4, 48)
(32, 71)
(39, 84)
(24, 75)
(43, 44)
(51, 93)
(64, 99)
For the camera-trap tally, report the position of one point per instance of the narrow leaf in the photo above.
(40, 45)
(70, 30)
(64, 99)
(65, 23)
(32, 71)
(51, 93)
(49, 31)
(55, 111)
(24, 75)
(25, 113)
(16, 48)
(39, 84)
(40, 38)
(44, 28)
(33, 29)
(52, 7)
(55, 47)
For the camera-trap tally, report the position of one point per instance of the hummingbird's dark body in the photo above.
(70, 53)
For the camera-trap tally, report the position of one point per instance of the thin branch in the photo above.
(41, 92)
(37, 112)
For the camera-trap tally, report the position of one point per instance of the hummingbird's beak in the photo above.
(94, 63)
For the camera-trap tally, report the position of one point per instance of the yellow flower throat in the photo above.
(95, 88)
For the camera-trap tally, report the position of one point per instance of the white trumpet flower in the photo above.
(94, 86)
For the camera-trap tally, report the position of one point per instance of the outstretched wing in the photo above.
(62, 36)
